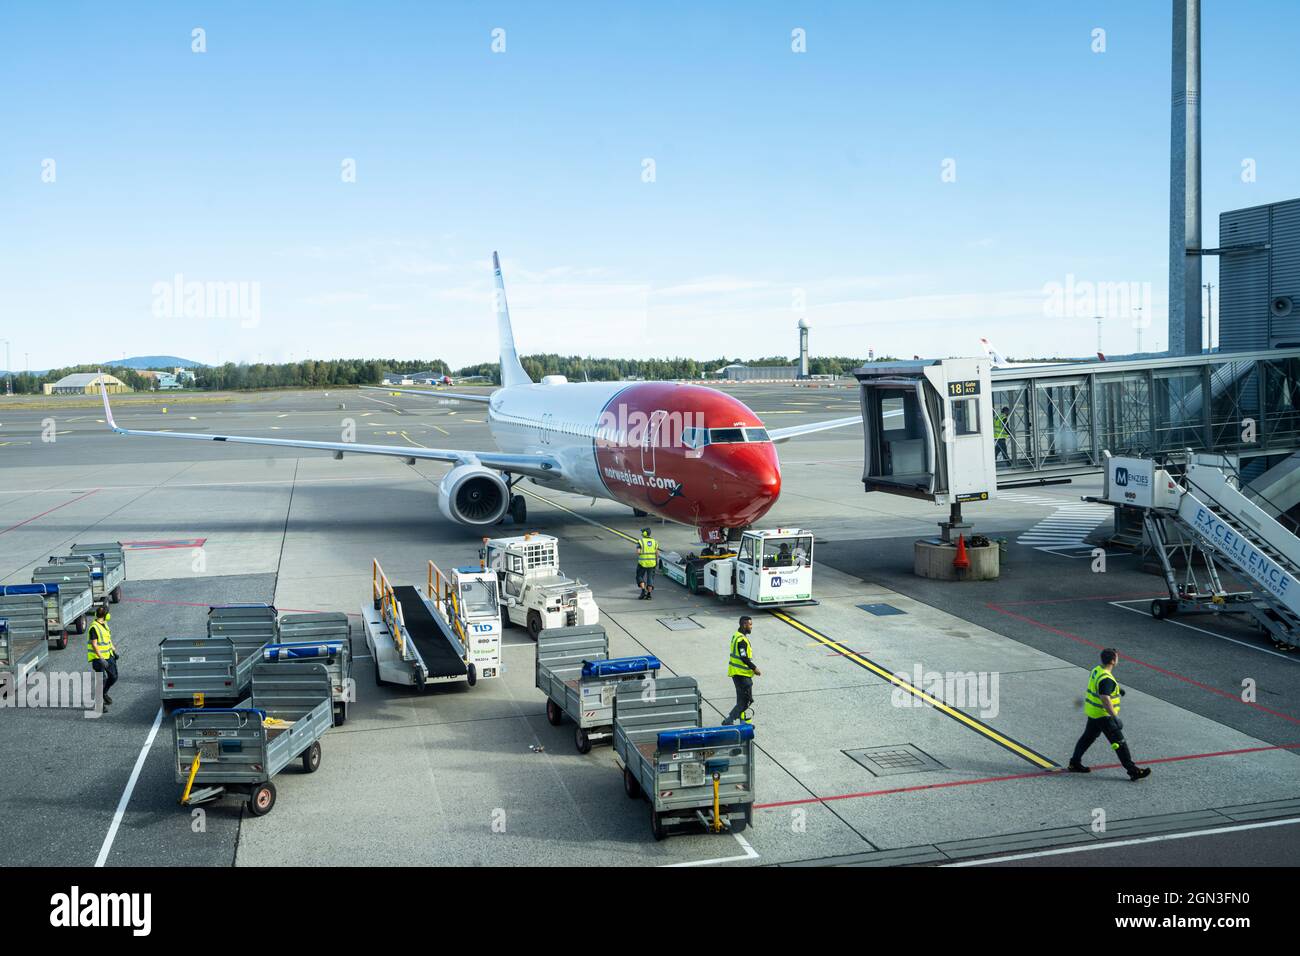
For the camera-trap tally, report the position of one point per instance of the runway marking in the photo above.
(749, 854)
(973, 723)
(1055, 772)
(1142, 663)
(441, 429)
(1067, 527)
(130, 787)
(1291, 658)
(1107, 844)
(49, 511)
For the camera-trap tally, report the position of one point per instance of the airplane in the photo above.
(1001, 361)
(685, 453)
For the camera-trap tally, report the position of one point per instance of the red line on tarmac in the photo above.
(44, 513)
(1104, 597)
(1155, 667)
(165, 545)
(1013, 776)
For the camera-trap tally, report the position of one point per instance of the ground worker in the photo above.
(100, 652)
(742, 670)
(647, 558)
(1101, 705)
(1000, 435)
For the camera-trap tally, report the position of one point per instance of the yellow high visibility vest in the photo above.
(736, 667)
(99, 641)
(1000, 427)
(1092, 698)
(647, 557)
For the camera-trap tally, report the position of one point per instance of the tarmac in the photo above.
(477, 776)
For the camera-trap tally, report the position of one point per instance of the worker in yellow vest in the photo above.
(742, 670)
(100, 652)
(1001, 434)
(1101, 706)
(647, 559)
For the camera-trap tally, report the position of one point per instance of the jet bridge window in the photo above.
(965, 416)
(478, 598)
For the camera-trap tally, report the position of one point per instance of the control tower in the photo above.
(803, 348)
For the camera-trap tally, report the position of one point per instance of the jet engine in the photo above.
(473, 495)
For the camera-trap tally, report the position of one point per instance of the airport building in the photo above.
(85, 383)
(1259, 275)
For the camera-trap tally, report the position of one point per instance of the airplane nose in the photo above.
(755, 480)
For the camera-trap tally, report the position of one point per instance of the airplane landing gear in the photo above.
(518, 509)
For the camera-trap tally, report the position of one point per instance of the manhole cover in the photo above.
(679, 623)
(881, 610)
(894, 759)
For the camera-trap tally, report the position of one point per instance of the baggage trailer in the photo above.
(114, 556)
(688, 773)
(69, 599)
(453, 635)
(772, 568)
(23, 643)
(107, 572)
(325, 637)
(578, 677)
(220, 666)
(239, 749)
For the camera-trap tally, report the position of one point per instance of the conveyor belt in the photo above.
(435, 650)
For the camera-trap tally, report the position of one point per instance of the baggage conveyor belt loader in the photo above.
(450, 634)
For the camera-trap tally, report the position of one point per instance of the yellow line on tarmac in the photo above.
(556, 504)
(441, 429)
(973, 723)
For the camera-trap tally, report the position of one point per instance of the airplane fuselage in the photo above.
(686, 453)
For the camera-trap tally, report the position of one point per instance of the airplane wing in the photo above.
(461, 396)
(794, 431)
(532, 466)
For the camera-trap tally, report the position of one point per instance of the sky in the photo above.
(330, 179)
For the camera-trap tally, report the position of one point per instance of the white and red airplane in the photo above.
(686, 453)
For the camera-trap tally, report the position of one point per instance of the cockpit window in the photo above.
(726, 436)
(756, 434)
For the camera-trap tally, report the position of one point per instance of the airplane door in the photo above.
(649, 437)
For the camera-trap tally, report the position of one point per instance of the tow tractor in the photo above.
(535, 593)
(450, 633)
(769, 569)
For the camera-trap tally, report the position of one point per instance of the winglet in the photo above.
(512, 372)
(108, 412)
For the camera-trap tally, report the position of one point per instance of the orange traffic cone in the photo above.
(961, 562)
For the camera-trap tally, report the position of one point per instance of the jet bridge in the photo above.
(930, 431)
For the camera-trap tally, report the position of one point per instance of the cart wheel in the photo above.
(738, 826)
(630, 785)
(471, 675)
(80, 626)
(656, 826)
(534, 624)
(311, 758)
(116, 596)
(62, 642)
(553, 713)
(581, 740)
(1158, 610)
(340, 714)
(262, 799)
(379, 681)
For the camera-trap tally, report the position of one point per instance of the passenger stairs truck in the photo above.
(1224, 526)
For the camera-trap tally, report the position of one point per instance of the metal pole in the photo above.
(1185, 181)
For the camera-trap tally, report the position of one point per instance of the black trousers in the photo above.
(744, 697)
(1102, 726)
(109, 670)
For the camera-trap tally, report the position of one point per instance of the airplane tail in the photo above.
(994, 355)
(512, 372)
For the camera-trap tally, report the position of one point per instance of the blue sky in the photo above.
(782, 180)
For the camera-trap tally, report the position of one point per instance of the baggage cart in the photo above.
(23, 643)
(326, 638)
(114, 556)
(69, 599)
(240, 749)
(107, 573)
(689, 774)
(578, 677)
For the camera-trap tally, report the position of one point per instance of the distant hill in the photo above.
(154, 361)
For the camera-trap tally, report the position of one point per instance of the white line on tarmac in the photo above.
(130, 787)
(1107, 844)
(750, 854)
(1200, 630)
